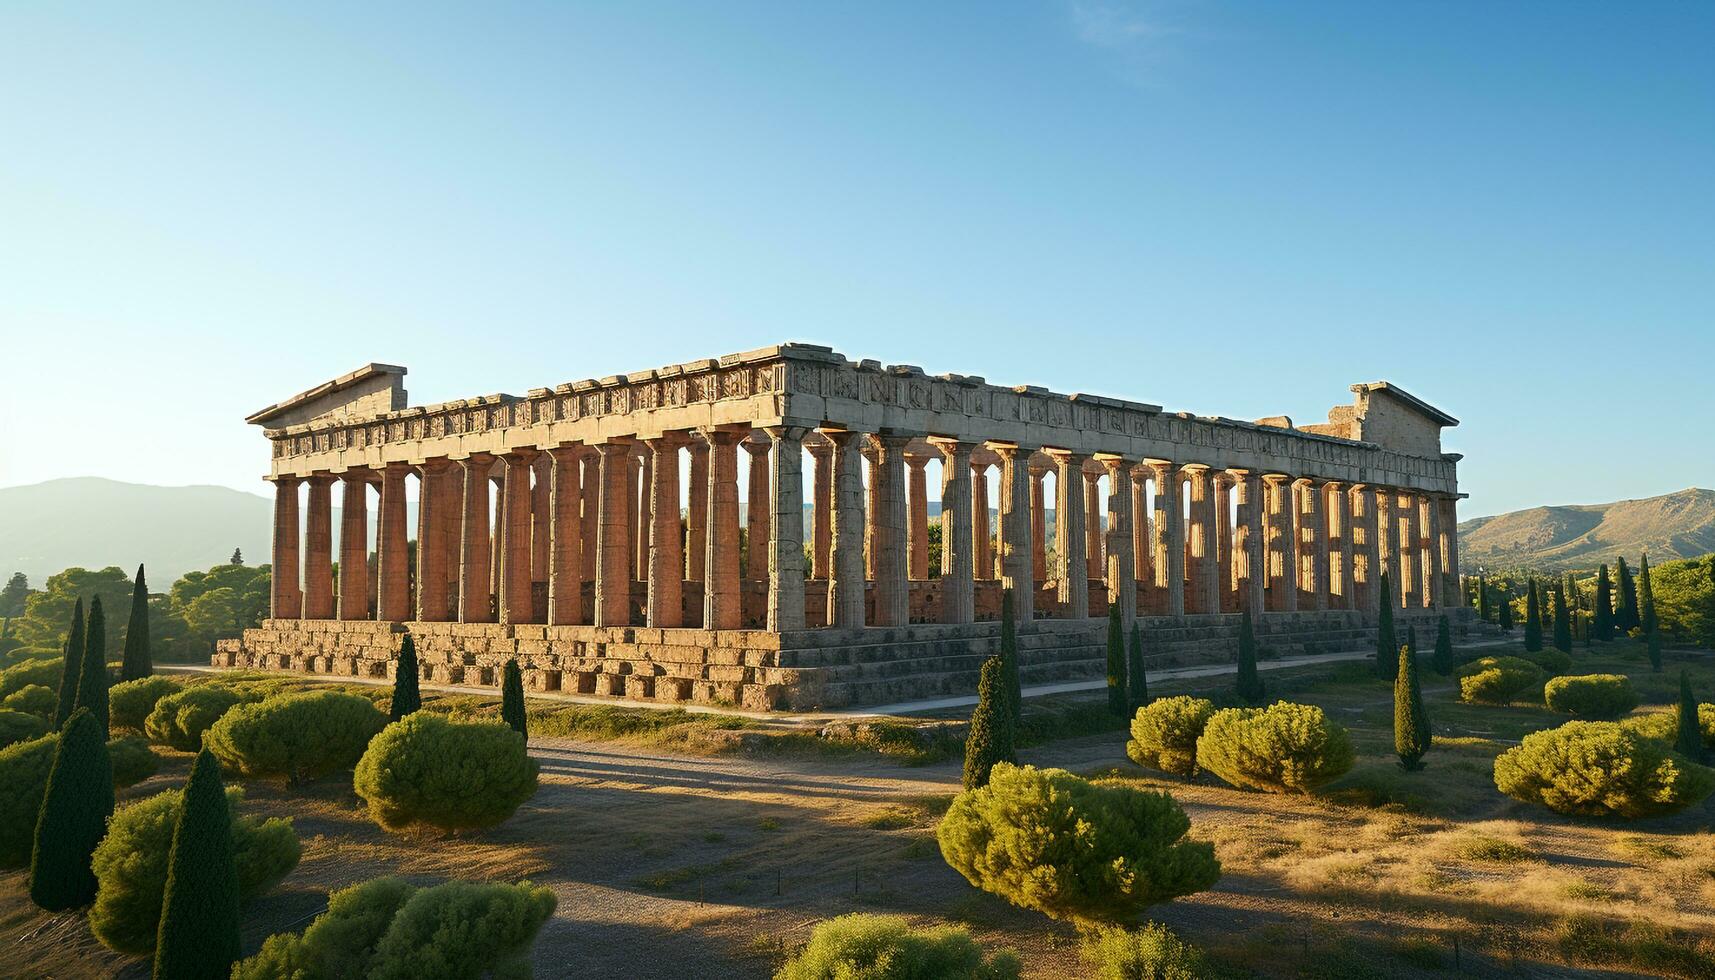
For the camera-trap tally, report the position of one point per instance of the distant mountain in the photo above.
(1582, 536)
(92, 522)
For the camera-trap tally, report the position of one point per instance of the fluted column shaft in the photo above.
(786, 546)
(1282, 534)
(1038, 527)
(1336, 514)
(515, 548)
(318, 549)
(697, 514)
(958, 565)
(845, 572)
(541, 502)
(982, 540)
(613, 540)
(1387, 539)
(666, 599)
(1313, 541)
(821, 509)
(1429, 522)
(892, 595)
(1202, 570)
(641, 490)
(1366, 564)
(1410, 553)
(1072, 567)
(432, 558)
(1249, 546)
(1225, 562)
(565, 538)
(917, 517)
(393, 603)
(354, 546)
(1455, 594)
(286, 600)
(1142, 544)
(758, 509)
(1096, 564)
(1121, 572)
(871, 510)
(1017, 537)
(723, 607)
(1169, 540)
(475, 599)
(589, 504)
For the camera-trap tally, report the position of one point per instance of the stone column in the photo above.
(786, 546)
(1313, 542)
(958, 564)
(871, 509)
(1142, 543)
(515, 553)
(1017, 544)
(892, 585)
(354, 546)
(565, 538)
(1366, 563)
(1038, 524)
(431, 542)
(640, 530)
(917, 516)
(758, 508)
(393, 601)
(497, 533)
(1093, 554)
(845, 568)
(1250, 540)
(475, 600)
(1225, 576)
(589, 503)
(1121, 574)
(1336, 515)
(1450, 551)
(541, 538)
(1072, 566)
(1387, 539)
(1282, 534)
(286, 600)
(452, 533)
(821, 508)
(1406, 544)
(318, 549)
(1169, 539)
(1429, 525)
(666, 600)
(697, 513)
(982, 540)
(723, 607)
(1202, 570)
(613, 541)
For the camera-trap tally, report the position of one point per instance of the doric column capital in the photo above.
(568, 452)
(757, 446)
(785, 433)
(284, 481)
(839, 438)
(917, 460)
(614, 448)
(891, 441)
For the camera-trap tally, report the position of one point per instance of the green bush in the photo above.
(864, 946)
(180, 719)
(1591, 695)
(386, 929)
(129, 703)
(133, 760)
(1663, 726)
(1284, 748)
(16, 726)
(1164, 733)
(1600, 769)
(45, 672)
(23, 779)
(298, 736)
(426, 769)
(33, 699)
(1150, 953)
(131, 865)
(1044, 839)
(1497, 680)
(1552, 661)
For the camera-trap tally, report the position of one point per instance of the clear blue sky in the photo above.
(1234, 209)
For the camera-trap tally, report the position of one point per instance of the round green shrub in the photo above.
(1150, 953)
(1600, 769)
(865, 946)
(1591, 695)
(426, 769)
(16, 726)
(129, 703)
(180, 719)
(1164, 733)
(130, 865)
(133, 760)
(1044, 839)
(1283, 748)
(461, 929)
(43, 672)
(33, 699)
(23, 779)
(1497, 680)
(298, 736)
(339, 943)
(1552, 661)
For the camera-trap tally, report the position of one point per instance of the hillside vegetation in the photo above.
(1581, 536)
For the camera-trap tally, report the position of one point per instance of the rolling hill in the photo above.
(1581, 536)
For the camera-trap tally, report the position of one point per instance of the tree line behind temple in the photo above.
(1675, 600)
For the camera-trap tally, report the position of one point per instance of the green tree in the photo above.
(1562, 623)
(512, 700)
(1443, 657)
(1411, 734)
(1137, 685)
(1014, 686)
(990, 739)
(1689, 739)
(75, 807)
(1647, 619)
(14, 595)
(48, 613)
(198, 938)
(1626, 603)
(70, 667)
(1248, 684)
(406, 695)
(1506, 610)
(1387, 643)
(92, 671)
(1532, 618)
(237, 557)
(1116, 662)
(1602, 627)
(1483, 612)
(137, 661)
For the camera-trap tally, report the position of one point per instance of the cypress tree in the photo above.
(72, 667)
(990, 739)
(1602, 627)
(1652, 644)
(1013, 687)
(1482, 599)
(1532, 618)
(1646, 599)
(1387, 644)
(1411, 735)
(1248, 684)
(73, 818)
(406, 697)
(92, 675)
(198, 935)
(138, 660)
(512, 699)
(1116, 662)
(1137, 685)
(1562, 623)
(1570, 593)
(1443, 659)
(1626, 602)
(1506, 606)
(1689, 741)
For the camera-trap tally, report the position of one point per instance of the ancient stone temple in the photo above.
(757, 530)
